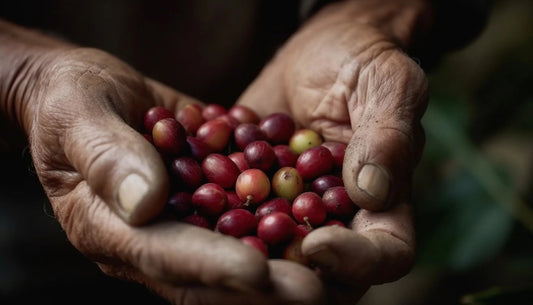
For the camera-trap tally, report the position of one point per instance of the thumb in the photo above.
(120, 166)
(387, 138)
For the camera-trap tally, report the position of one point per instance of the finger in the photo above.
(189, 293)
(119, 165)
(296, 284)
(379, 248)
(291, 284)
(387, 140)
(171, 252)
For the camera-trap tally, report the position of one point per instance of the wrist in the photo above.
(25, 56)
(404, 22)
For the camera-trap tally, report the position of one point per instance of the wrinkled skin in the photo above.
(353, 84)
(349, 81)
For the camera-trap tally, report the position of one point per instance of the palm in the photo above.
(359, 88)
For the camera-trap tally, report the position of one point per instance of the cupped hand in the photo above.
(344, 74)
(106, 184)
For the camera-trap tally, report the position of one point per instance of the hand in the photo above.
(104, 181)
(344, 75)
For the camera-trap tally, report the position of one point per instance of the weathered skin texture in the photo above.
(343, 74)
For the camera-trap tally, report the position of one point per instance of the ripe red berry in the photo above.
(308, 208)
(257, 243)
(259, 154)
(237, 223)
(220, 169)
(188, 172)
(335, 222)
(276, 228)
(238, 158)
(247, 133)
(274, 205)
(284, 156)
(198, 149)
(302, 230)
(153, 115)
(209, 199)
(252, 186)
(337, 150)
(197, 220)
(314, 162)
(338, 203)
(278, 127)
(322, 183)
(212, 111)
(243, 114)
(180, 204)
(191, 118)
(169, 136)
(215, 133)
(233, 200)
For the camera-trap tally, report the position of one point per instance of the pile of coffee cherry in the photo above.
(261, 180)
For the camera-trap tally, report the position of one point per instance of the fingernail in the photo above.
(374, 181)
(324, 258)
(130, 192)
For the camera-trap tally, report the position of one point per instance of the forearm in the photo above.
(23, 55)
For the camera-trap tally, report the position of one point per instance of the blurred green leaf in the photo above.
(471, 206)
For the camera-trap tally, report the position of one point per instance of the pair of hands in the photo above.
(341, 75)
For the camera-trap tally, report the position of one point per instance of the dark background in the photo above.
(473, 188)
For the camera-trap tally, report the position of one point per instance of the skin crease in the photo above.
(343, 74)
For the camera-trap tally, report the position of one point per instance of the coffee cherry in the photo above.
(337, 150)
(215, 133)
(252, 186)
(169, 136)
(338, 203)
(278, 127)
(197, 220)
(153, 115)
(287, 183)
(191, 118)
(303, 139)
(238, 158)
(243, 114)
(276, 228)
(314, 162)
(188, 172)
(209, 199)
(322, 183)
(247, 133)
(220, 169)
(308, 208)
(236, 223)
(302, 230)
(234, 202)
(257, 243)
(274, 205)
(335, 222)
(212, 111)
(284, 156)
(259, 154)
(293, 252)
(180, 204)
(231, 121)
(198, 149)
